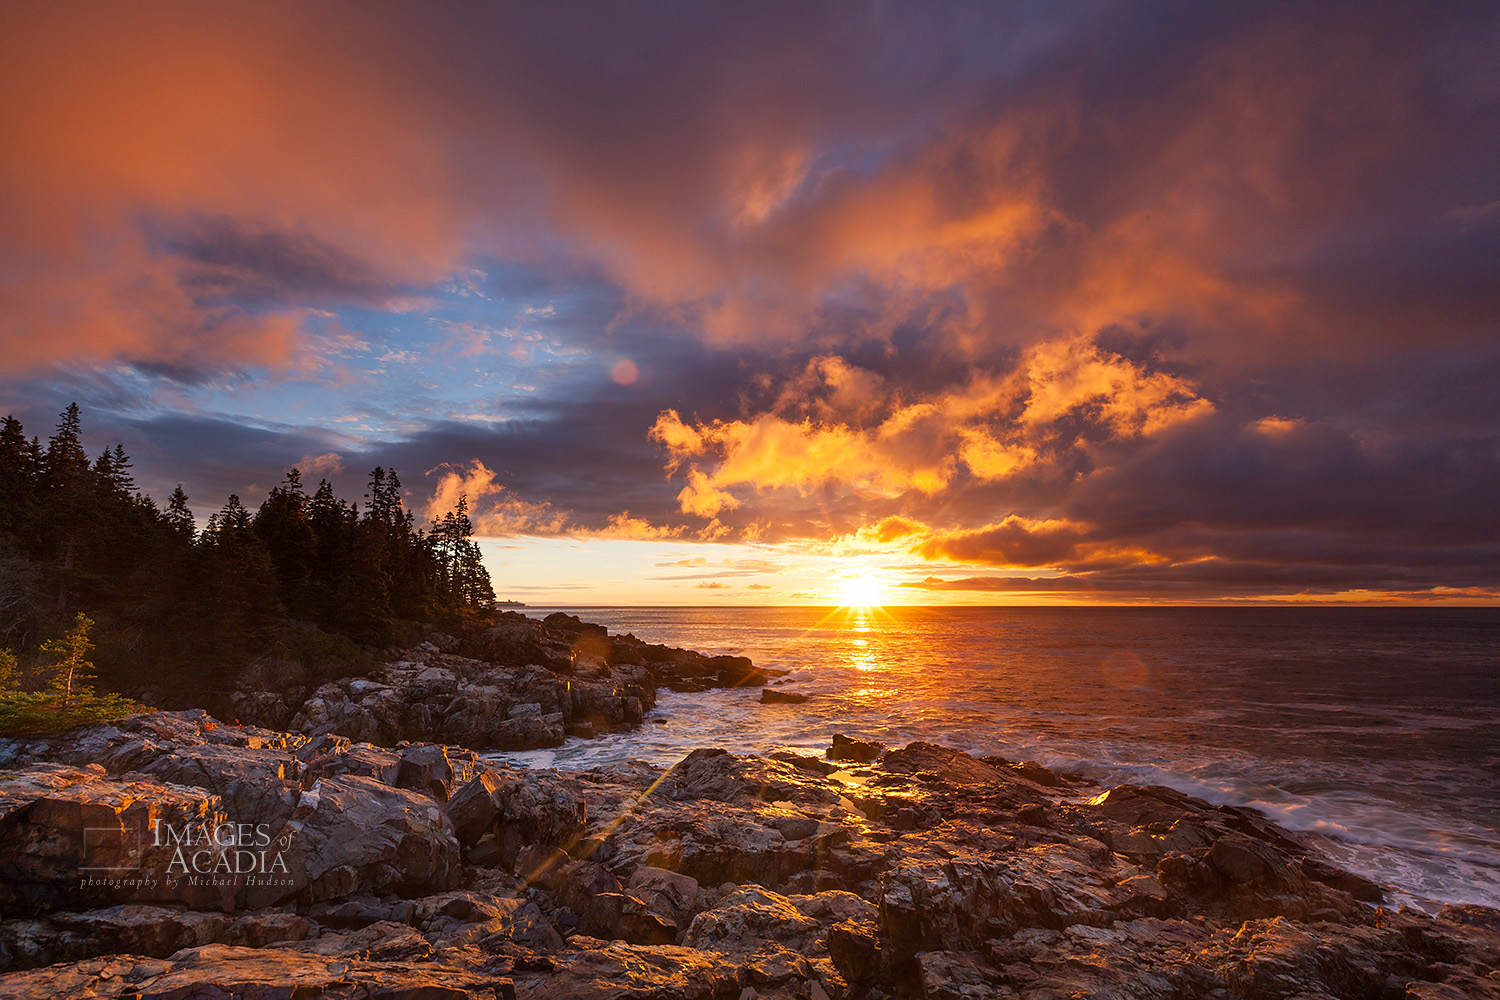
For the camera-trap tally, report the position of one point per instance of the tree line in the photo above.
(306, 576)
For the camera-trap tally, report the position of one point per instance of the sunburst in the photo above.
(861, 592)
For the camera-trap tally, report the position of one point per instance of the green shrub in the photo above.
(43, 713)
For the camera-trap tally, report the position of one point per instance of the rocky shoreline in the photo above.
(174, 855)
(518, 684)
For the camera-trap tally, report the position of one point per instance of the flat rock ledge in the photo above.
(173, 856)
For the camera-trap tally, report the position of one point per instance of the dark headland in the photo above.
(348, 840)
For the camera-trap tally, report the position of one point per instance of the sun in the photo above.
(861, 592)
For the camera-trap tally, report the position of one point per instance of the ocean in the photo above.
(1374, 731)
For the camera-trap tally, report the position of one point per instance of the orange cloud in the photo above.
(868, 441)
(496, 518)
(1068, 375)
(622, 525)
(891, 529)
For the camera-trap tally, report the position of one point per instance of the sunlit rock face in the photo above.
(922, 871)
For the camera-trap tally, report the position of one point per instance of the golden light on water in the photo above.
(861, 656)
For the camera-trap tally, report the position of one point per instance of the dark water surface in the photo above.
(1375, 728)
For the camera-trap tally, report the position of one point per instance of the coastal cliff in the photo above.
(174, 855)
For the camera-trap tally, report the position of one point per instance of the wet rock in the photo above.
(930, 762)
(527, 733)
(1153, 805)
(846, 748)
(581, 881)
(258, 930)
(253, 771)
(518, 641)
(443, 699)
(771, 696)
(485, 853)
(986, 882)
(952, 975)
(356, 912)
(1280, 959)
(474, 807)
(363, 759)
(382, 941)
(717, 775)
(803, 763)
(773, 965)
(131, 928)
(1034, 814)
(1241, 859)
(218, 970)
(1363, 889)
(929, 903)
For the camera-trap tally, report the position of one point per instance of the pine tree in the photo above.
(112, 471)
(65, 458)
(20, 468)
(282, 525)
(179, 517)
(238, 593)
(69, 675)
(334, 523)
(462, 580)
(65, 481)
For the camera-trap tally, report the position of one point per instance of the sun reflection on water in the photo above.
(861, 657)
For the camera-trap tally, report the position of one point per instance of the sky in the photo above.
(706, 303)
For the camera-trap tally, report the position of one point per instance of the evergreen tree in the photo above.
(68, 677)
(20, 467)
(239, 586)
(181, 609)
(283, 528)
(65, 458)
(334, 524)
(462, 580)
(65, 486)
(179, 517)
(112, 471)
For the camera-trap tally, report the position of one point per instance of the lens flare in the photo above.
(625, 372)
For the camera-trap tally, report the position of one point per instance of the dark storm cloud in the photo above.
(214, 457)
(223, 260)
